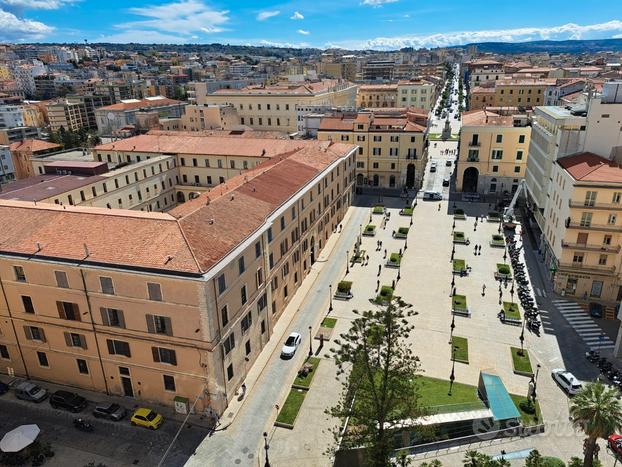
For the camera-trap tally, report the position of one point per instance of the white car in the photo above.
(568, 382)
(291, 344)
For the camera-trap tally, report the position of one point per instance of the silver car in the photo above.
(568, 382)
(110, 411)
(30, 392)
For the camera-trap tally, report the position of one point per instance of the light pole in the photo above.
(452, 376)
(310, 343)
(347, 261)
(399, 266)
(500, 223)
(452, 326)
(522, 338)
(330, 297)
(535, 382)
(266, 446)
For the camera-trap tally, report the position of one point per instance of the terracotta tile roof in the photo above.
(33, 145)
(377, 87)
(140, 104)
(302, 88)
(481, 90)
(485, 118)
(196, 143)
(397, 117)
(589, 167)
(191, 238)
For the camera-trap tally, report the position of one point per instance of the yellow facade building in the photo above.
(492, 153)
(392, 144)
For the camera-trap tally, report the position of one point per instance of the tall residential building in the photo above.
(492, 152)
(75, 112)
(480, 71)
(11, 116)
(7, 168)
(555, 132)
(604, 131)
(582, 233)
(273, 107)
(378, 70)
(166, 306)
(391, 143)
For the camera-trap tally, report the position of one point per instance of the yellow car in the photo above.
(147, 418)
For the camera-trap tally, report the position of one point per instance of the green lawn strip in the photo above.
(461, 349)
(528, 419)
(459, 236)
(378, 209)
(344, 286)
(407, 211)
(521, 363)
(459, 302)
(329, 322)
(498, 240)
(305, 381)
(511, 310)
(370, 228)
(459, 265)
(434, 393)
(395, 258)
(291, 407)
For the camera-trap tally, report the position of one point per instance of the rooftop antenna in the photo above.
(86, 251)
(38, 247)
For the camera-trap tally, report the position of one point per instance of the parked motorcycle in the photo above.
(82, 425)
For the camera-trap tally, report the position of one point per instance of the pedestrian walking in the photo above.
(380, 245)
(439, 206)
(483, 290)
(385, 252)
(377, 285)
(379, 269)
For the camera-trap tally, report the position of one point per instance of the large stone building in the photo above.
(392, 144)
(492, 152)
(419, 93)
(160, 306)
(273, 107)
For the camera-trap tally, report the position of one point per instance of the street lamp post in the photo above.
(452, 376)
(310, 343)
(347, 261)
(452, 326)
(535, 382)
(399, 276)
(500, 223)
(266, 446)
(522, 337)
(330, 297)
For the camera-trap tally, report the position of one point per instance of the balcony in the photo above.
(584, 205)
(474, 144)
(472, 159)
(592, 247)
(594, 268)
(601, 227)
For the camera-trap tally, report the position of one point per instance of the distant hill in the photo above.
(571, 46)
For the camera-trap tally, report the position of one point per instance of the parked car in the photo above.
(448, 163)
(4, 388)
(110, 411)
(433, 167)
(446, 182)
(291, 344)
(68, 401)
(596, 310)
(614, 442)
(146, 418)
(30, 392)
(567, 381)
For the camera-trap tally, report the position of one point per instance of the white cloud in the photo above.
(264, 15)
(296, 15)
(183, 17)
(303, 32)
(38, 4)
(377, 3)
(13, 28)
(288, 45)
(564, 31)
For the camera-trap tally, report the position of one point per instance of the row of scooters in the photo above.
(532, 315)
(606, 368)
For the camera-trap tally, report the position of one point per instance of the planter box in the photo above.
(459, 265)
(493, 217)
(501, 275)
(378, 210)
(462, 239)
(394, 260)
(461, 312)
(344, 291)
(369, 232)
(385, 296)
(343, 295)
(459, 305)
(512, 321)
(406, 212)
(402, 233)
(497, 241)
(459, 214)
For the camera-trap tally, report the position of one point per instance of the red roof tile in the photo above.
(589, 167)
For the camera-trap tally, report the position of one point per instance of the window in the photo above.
(497, 154)
(164, 355)
(243, 297)
(282, 222)
(67, 310)
(247, 321)
(499, 138)
(269, 233)
(377, 138)
(611, 220)
(112, 317)
(106, 285)
(616, 197)
(517, 169)
(229, 343)
(263, 326)
(222, 284)
(519, 155)
(241, 266)
(169, 383)
(19, 273)
(155, 293)
(586, 219)
(377, 151)
(43, 359)
(28, 306)
(262, 302)
(229, 372)
(590, 198)
(224, 315)
(75, 340)
(495, 168)
(61, 279)
(159, 325)
(82, 366)
(34, 333)
(259, 277)
(602, 260)
(4, 352)
(257, 250)
(247, 347)
(521, 139)
(118, 347)
(577, 258)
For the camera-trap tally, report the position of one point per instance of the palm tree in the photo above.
(597, 411)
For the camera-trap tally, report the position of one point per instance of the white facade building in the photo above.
(604, 132)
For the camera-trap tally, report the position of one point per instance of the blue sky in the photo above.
(377, 24)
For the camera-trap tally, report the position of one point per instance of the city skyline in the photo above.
(395, 23)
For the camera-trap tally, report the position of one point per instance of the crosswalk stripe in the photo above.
(569, 307)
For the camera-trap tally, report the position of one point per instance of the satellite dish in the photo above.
(110, 116)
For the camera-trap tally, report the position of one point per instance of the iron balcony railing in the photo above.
(591, 247)
(602, 227)
(580, 266)
(590, 205)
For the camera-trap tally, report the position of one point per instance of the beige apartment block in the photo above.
(209, 117)
(68, 115)
(377, 96)
(492, 152)
(273, 107)
(391, 144)
(583, 229)
(155, 306)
